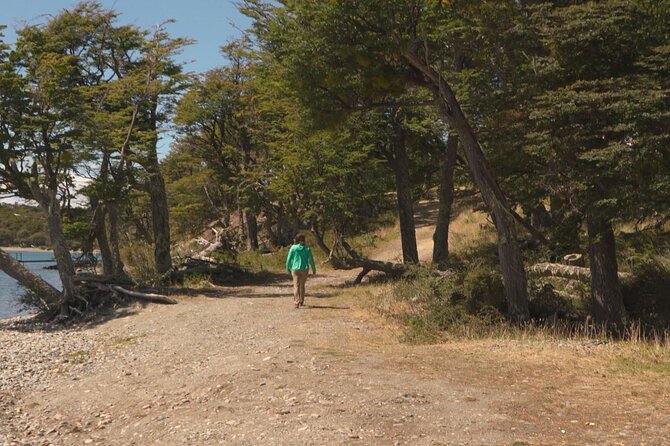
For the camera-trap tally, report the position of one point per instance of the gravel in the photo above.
(32, 355)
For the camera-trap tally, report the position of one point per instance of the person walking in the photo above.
(298, 262)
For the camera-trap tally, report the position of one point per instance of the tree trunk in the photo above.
(511, 261)
(160, 219)
(272, 235)
(441, 235)
(160, 216)
(320, 242)
(606, 298)
(61, 254)
(100, 231)
(252, 230)
(400, 165)
(28, 279)
(118, 267)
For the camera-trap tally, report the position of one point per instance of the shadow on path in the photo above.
(324, 307)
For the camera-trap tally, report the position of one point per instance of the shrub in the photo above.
(138, 258)
(432, 305)
(483, 288)
(647, 297)
(547, 303)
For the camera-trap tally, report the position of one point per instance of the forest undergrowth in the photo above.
(467, 301)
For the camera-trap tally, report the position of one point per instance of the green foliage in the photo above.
(432, 306)
(22, 226)
(193, 192)
(647, 297)
(599, 135)
(138, 257)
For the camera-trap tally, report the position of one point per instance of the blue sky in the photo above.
(211, 22)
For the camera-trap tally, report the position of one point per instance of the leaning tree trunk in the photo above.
(511, 261)
(441, 235)
(400, 165)
(606, 298)
(28, 279)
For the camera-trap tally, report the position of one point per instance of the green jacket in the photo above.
(300, 258)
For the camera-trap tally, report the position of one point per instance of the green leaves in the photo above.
(601, 124)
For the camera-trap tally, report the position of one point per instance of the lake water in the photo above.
(11, 292)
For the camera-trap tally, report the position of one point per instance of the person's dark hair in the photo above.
(299, 238)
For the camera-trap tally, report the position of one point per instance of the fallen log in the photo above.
(348, 263)
(343, 257)
(579, 273)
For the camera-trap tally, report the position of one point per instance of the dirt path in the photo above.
(242, 367)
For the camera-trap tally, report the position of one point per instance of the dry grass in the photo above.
(469, 230)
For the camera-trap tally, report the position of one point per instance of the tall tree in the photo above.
(51, 68)
(371, 51)
(164, 81)
(601, 126)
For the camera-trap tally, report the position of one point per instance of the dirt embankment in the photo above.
(240, 366)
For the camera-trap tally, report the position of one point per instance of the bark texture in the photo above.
(61, 254)
(606, 298)
(160, 216)
(511, 262)
(100, 233)
(252, 230)
(400, 165)
(441, 235)
(114, 242)
(572, 272)
(160, 219)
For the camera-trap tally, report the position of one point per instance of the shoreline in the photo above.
(23, 249)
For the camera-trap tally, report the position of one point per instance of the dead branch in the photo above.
(158, 298)
(567, 272)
